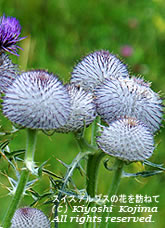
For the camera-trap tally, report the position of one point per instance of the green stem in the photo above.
(83, 144)
(20, 188)
(117, 177)
(93, 162)
(16, 198)
(30, 148)
(92, 172)
(94, 131)
(92, 169)
(118, 166)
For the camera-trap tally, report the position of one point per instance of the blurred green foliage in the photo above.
(59, 33)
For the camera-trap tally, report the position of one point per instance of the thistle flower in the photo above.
(95, 67)
(127, 139)
(10, 31)
(29, 218)
(126, 51)
(83, 109)
(120, 97)
(37, 100)
(8, 72)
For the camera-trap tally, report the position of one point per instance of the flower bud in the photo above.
(83, 109)
(8, 72)
(29, 218)
(95, 67)
(37, 100)
(127, 139)
(133, 97)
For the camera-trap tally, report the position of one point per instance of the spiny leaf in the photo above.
(51, 173)
(142, 174)
(159, 166)
(40, 168)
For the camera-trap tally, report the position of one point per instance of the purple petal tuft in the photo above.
(10, 31)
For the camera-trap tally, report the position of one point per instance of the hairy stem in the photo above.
(21, 186)
(94, 131)
(117, 177)
(93, 162)
(30, 148)
(83, 145)
(92, 172)
(92, 169)
(118, 166)
(16, 198)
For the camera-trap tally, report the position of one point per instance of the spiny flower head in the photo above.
(95, 67)
(8, 72)
(127, 139)
(29, 218)
(120, 97)
(83, 109)
(10, 31)
(37, 100)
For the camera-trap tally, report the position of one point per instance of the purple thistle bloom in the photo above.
(126, 51)
(10, 31)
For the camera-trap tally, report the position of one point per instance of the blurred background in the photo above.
(59, 33)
